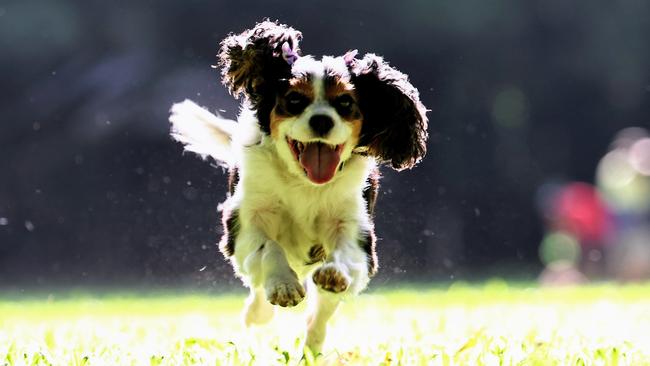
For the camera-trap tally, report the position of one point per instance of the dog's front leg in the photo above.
(264, 265)
(281, 283)
(344, 273)
(264, 268)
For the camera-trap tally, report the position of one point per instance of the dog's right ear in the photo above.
(395, 121)
(254, 61)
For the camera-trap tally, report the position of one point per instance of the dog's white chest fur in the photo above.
(295, 214)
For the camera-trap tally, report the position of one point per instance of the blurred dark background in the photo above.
(93, 191)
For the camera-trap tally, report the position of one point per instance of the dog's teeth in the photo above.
(300, 146)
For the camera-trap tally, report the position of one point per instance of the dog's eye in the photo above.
(295, 98)
(296, 102)
(343, 104)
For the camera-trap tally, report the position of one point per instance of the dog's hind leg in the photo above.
(257, 311)
(344, 273)
(323, 306)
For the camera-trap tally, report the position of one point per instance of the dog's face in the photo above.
(318, 112)
(316, 121)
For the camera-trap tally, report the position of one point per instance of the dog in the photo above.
(303, 163)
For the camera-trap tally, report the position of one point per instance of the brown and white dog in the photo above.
(303, 166)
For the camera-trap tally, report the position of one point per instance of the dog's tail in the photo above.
(203, 133)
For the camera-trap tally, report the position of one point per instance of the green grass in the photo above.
(491, 324)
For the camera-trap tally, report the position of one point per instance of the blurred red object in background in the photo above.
(579, 209)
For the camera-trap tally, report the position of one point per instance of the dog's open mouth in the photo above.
(318, 160)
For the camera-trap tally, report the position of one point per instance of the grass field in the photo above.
(490, 324)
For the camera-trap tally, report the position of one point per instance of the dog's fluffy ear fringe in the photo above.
(395, 122)
(252, 61)
(202, 132)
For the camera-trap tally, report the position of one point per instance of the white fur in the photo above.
(282, 214)
(282, 217)
(203, 132)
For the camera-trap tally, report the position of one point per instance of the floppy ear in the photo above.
(394, 126)
(253, 62)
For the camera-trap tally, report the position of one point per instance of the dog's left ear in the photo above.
(254, 61)
(394, 126)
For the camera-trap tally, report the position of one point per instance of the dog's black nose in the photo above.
(321, 124)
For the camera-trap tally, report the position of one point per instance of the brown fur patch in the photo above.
(371, 191)
(316, 254)
(233, 180)
(368, 242)
(276, 120)
(356, 125)
(230, 220)
(335, 89)
(303, 86)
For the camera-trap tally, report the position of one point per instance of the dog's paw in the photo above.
(285, 293)
(331, 279)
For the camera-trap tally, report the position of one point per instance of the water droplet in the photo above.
(191, 193)
(29, 225)
(441, 191)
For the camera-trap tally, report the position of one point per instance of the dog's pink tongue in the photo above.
(320, 161)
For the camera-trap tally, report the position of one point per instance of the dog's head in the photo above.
(319, 112)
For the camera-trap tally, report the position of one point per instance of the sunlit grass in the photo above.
(491, 324)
